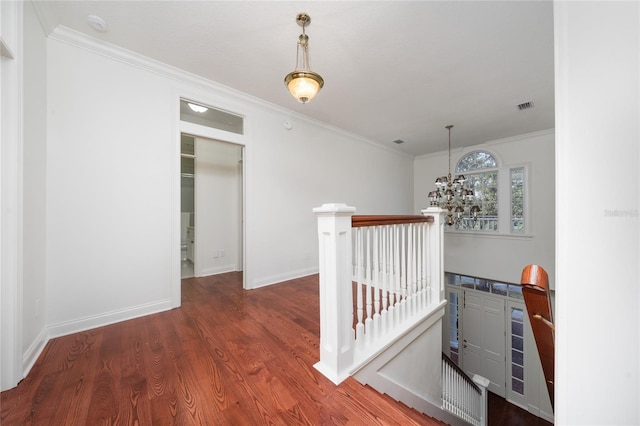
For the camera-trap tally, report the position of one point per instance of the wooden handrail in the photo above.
(379, 220)
(535, 290)
(462, 374)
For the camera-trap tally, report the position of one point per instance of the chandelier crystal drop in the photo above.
(303, 83)
(454, 196)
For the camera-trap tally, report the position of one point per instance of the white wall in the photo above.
(110, 157)
(597, 293)
(302, 168)
(11, 184)
(501, 257)
(34, 295)
(113, 163)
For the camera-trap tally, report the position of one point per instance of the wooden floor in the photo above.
(226, 357)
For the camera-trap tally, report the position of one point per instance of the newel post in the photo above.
(483, 384)
(436, 252)
(336, 294)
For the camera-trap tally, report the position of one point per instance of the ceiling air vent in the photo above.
(525, 105)
(398, 141)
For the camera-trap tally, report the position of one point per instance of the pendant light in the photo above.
(454, 196)
(303, 83)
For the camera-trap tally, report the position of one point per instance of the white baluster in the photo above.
(423, 269)
(427, 266)
(376, 281)
(416, 262)
(368, 320)
(396, 275)
(359, 283)
(385, 279)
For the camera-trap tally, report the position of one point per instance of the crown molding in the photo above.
(80, 40)
(470, 148)
(48, 21)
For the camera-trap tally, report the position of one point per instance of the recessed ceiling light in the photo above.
(196, 107)
(97, 23)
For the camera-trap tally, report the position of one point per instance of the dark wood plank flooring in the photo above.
(226, 357)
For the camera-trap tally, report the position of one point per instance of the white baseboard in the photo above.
(34, 350)
(540, 413)
(218, 270)
(74, 326)
(32, 353)
(274, 279)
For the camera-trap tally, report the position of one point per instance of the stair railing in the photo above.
(395, 264)
(535, 290)
(462, 396)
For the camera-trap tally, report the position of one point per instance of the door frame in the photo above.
(244, 140)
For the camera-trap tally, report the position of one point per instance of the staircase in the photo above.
(535, 290)
(381, 308)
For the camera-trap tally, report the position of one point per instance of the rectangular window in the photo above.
(483, 285)
(453, 327)
(467, 282)
(211, 117)
(485, 192)
(500, 288)
(451, 279)
(517, 200)
(517, 350)
(515, 291)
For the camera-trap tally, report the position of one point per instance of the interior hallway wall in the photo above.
(34, 157)
(110, 174)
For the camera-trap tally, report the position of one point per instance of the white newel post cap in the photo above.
(481, 381)
(334, 209)
(433, 211)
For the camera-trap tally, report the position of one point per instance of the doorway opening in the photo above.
(485, 333)
(211, 206)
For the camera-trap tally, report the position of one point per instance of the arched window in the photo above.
(500, 211)
(476, 160)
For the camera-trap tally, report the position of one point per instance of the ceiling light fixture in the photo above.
(197, 108)
(303, 83)
(453, 196)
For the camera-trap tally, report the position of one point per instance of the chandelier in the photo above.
(452, 195)
(303, 83)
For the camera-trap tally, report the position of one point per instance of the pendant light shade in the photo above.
(303, 83)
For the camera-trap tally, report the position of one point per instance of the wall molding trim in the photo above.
(274, 279)
(34, 350)
(476, 147)
(100, 320)
(219, 270)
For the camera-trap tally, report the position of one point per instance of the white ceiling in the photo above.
(392, 69)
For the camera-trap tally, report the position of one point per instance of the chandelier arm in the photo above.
(451, 195)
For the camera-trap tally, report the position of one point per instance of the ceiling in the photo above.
(392, 69)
